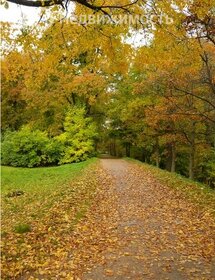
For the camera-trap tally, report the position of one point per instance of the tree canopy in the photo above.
(154, 101)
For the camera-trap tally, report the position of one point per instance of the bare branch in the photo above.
(30, 3)
(48, 3)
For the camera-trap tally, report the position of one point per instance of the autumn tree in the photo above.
(154, 102)
(78, 136)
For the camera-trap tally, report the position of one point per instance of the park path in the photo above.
(156, 233)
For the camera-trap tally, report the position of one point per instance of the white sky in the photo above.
(16, 13)
(20, 14)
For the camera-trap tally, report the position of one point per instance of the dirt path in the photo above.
(159, 235)
(115, 222)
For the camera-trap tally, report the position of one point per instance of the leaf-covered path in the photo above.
(153, 232)
(114, 221)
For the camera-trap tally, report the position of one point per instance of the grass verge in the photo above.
(40, 188)
(37, 224)
(197, 193)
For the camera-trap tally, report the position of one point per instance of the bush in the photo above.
(27, 148)
(53, 151)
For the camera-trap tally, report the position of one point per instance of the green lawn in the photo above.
(43, 179)
(41, 187)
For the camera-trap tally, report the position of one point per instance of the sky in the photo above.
(16, 14)
(30, 15)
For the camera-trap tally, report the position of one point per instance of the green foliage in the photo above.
(78, 137)
(24, 148)
(53, 151)
(22, 228)
(206, 168)
(28, 148)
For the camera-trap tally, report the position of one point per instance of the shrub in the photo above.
(53, 151)
(27, 148)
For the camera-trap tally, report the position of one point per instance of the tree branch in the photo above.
(38, 3)
(48, 3)
(196, 96)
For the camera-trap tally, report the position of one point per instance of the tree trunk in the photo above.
(191, 162)
(173, 158)
(114, 147)
(143, 157)
(157, 156)
(192, 154)
(128, 149)
(168, 158)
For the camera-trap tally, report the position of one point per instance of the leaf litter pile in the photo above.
(116, 222)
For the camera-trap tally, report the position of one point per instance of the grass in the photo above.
(41, 207)
(29, 179)
(40, 188)
(22, 228)
(197, 193)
